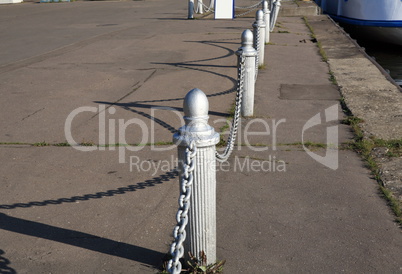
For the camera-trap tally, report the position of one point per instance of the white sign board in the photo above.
(10, 1)
(224, 9)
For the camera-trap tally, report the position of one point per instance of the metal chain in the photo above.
(257, 48)
(179, 232)
(235, 123)
(198, 7)
(211, 9)
(208, 9)
(247, 12)
(249, 7)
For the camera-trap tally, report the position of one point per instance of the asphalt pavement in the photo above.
(105, 73)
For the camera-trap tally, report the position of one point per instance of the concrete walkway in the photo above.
(112, 209)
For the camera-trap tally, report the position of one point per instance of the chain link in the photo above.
(235, 123)
(179, 232)
(208, 9)
(249, 7)
(257, 48)
(247, 12)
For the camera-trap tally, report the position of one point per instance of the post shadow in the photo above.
(83, 240)
(4, 264)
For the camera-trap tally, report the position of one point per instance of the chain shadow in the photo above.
(216, 44)
(188, 65)
(200, 67)
(240, 29)
(4, 264)
(131, 107)
(197, 66)
(80, 239)
(182, 98)
(121, 190)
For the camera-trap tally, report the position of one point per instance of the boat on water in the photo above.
(378, 20)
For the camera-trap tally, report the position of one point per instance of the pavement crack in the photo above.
(32, 114)
(57, 52)
(149, 77)
(136, 86)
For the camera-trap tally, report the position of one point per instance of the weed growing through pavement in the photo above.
(199, 266)
(195, 266)
(364, 147)
(332, 78)
(314, 39)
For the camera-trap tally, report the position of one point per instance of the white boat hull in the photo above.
(376, 19)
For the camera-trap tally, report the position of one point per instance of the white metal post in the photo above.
(201, 228)
(249, 53)
(267, 15)
(200, 8)
(190, 9)
(274, 13)
(259, 36)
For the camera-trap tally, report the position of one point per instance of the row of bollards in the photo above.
(195, 232)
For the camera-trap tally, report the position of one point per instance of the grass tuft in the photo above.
(324, 56)
(364, 146)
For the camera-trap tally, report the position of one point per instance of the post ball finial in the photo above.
(196, 128)
(196, 104)
(259, 15)
(247, 38)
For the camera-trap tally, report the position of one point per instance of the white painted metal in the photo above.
(190, 9)
(10, 1)
(249, 53)
(201, 228)
(224, 9)
(259, 36)
(200, 8)
(380, 19)
(277, 9)
(382, 10)
(267, 14)
(224, 156)
(187, 166)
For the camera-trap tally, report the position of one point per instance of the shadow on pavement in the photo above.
(80, 239)
(178, 99)
(121, 190)
(196, 64)
(131, 107)
(4, 262)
